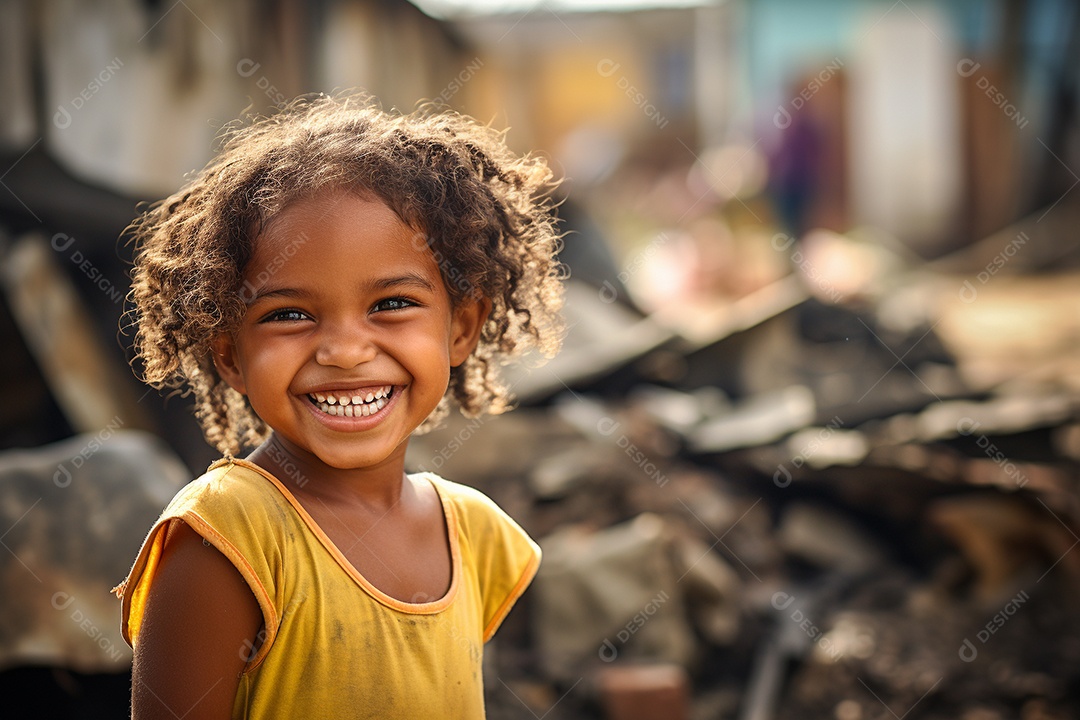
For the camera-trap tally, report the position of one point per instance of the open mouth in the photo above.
(353, 403)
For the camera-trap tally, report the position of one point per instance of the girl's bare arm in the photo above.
(200, 623)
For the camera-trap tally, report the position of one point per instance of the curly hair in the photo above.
(486, 214)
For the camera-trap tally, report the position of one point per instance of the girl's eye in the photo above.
(395, 303)
(285, 315)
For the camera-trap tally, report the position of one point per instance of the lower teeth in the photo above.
(362, 410)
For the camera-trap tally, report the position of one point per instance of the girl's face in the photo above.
(349, 335)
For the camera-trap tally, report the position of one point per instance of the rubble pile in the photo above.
(854, 511)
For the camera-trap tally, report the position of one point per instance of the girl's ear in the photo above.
(224, 349)
(468, 320)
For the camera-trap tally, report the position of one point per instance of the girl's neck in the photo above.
(305, 475)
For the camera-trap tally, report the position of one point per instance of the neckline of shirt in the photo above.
(452, 529)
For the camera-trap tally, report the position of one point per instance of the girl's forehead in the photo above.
(340, 213)
(329, 206)
(344, 231)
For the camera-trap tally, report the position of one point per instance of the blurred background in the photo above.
(811, 449)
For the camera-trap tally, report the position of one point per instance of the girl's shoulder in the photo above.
(231, 477)
(501, 553)
(468, 501)
(231, 489)
(478, 516)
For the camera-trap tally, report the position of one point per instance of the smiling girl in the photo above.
(330, 283)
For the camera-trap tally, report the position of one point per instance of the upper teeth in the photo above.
(355, 397)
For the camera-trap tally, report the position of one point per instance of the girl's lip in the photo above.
(343, 423)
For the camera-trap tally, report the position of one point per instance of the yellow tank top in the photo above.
(333, 645)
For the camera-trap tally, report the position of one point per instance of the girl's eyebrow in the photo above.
(412, 278)
(276, 292)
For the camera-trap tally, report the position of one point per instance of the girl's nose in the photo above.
(345, 347)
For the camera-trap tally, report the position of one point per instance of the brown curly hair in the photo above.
(486, 214)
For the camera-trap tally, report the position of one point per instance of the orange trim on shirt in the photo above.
(226, 548)
(515, 593)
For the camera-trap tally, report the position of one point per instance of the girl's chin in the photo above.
(339, 456)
